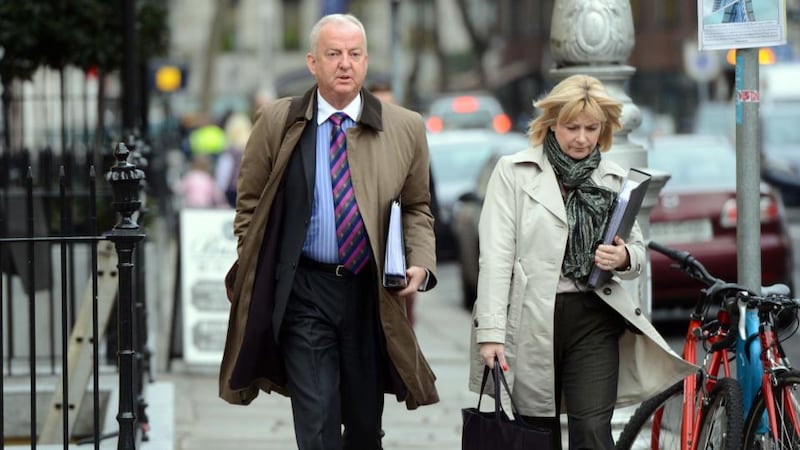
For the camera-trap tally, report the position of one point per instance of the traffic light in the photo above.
(168, 76)
(765, 56)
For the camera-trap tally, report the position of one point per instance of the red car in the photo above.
(696, 212)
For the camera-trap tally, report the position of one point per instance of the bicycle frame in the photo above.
(749, 369)
(713, 361)
(770, 361)
(698, 392)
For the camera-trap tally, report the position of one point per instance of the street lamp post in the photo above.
(594, 37)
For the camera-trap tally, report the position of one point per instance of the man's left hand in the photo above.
(416, 276)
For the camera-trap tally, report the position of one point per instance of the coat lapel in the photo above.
(543, 187)
(308, 153)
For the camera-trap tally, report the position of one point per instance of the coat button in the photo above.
(607, 291)
(475, 322)
(638, 311)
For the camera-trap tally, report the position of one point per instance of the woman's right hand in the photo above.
(490, 350)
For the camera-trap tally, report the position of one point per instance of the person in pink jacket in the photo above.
(198, 188)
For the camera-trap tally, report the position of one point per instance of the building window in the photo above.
(636, 12)
(667, 14)
(526, 17)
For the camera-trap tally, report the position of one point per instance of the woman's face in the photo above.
(578, 137)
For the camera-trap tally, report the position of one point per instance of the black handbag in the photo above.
(493, 430)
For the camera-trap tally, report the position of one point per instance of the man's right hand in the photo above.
(490, 350)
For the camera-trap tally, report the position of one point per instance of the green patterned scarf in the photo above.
(588, 207)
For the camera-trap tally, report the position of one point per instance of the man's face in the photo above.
(340, 63)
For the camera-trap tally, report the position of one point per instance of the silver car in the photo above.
(462, 163)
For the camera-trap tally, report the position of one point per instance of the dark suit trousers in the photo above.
(330, 341)
(586, 349)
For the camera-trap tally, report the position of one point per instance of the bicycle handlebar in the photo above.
(776, 296)
(686, 263)
(714, 286)
(778, 301)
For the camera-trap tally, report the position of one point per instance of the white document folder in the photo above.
(394, 267)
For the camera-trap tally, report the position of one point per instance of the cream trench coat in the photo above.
(523, 235)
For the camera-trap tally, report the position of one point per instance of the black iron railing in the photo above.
(37, 221)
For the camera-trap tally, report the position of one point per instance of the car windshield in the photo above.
(453, 163)
(456, 163)
(715, 118)
(695, 165)
(475, 119)
(781, 132)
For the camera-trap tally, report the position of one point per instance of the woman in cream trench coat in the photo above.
(522, 318)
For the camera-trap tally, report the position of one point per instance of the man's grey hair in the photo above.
(334, 18)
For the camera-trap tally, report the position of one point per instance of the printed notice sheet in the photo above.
(730, 24)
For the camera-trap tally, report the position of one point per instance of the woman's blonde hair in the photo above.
(570, 97)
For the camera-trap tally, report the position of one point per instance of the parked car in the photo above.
(779, 141)
(696, 212)
(466, 215)
(780, 148)
(456, 158)
(466, 111)
(715, 117)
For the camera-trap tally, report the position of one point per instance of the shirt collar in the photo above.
(324, 109)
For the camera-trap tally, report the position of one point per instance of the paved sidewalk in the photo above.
(202, 421)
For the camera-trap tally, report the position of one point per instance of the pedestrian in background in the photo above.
(383, 91)
(565, 347)
(226, 172)
(197, 187)
(309, 317)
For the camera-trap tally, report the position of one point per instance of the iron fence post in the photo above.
(125, 179)
(139, 150)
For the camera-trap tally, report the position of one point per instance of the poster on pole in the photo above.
(207, 250)
(727, 24)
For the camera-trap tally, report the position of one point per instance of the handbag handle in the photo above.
(498, 377)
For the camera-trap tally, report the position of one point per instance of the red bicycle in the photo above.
(704, 411)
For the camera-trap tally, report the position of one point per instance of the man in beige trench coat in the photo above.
(287, 302)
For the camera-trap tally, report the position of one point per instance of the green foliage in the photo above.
(18, 39)
(83, 33)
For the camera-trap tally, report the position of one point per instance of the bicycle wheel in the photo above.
(786, 411)
(723, 417)
(656, 423)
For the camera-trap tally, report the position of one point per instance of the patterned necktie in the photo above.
(353, 248)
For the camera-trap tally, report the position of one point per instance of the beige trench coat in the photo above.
(523, 235)
(388, 156)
